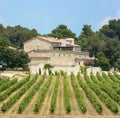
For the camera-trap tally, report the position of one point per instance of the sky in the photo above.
(46, 15)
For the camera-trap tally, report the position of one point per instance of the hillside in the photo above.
(61, 96)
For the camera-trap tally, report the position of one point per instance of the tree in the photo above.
(1, 28)
(111, 50)
(95, 44)
(23, 59)
(62, 32)
(48, 67)
(86, 32)
(17, 34)
(4, 42)
(107, 31)
(103, 63)
(112, 30)
(12, 57)
(117, 64)
(84, 37)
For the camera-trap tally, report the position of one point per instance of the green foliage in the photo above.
(2, 81)
(13, 58)
(30, 95)
(48, 67)
(54, 95)
(83, 69)
(4, 42)
(6, 85)
(86, 32)
(106, 87)
(78, 94)
(41, 97)
(105, 98)
(103, 63)
(16, 96)
(90, 95)
(13, 88)
(66, 94)
(113, 77)
(106, 41)
(112, 30)
(62, 32)
(117, 64)
(117, 75)
(112, 51)
(17, 34)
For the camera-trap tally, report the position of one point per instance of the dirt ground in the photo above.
(59, 111)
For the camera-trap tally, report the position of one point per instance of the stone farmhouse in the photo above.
(62, 54)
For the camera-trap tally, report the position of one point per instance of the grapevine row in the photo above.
(93, 78)
(30, 95)
(7, 84)
(13, 88)
(41, 97)
(114, 85)
(78, 94)
(117, 75)
(2, 81)
(54, 95)
(108, 89)
(113, 78)
(16, 96)
(107, 78)
(106, 99)
(90, 95)
(66, 94)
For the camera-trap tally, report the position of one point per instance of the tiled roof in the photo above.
(49, 39)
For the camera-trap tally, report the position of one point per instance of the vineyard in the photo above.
(60, 95)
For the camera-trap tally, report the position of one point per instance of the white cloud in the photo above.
(108, 18)
(118, 14)
(2, 20)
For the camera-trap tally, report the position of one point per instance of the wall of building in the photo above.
(77, 49)
(79, 62)
(39, 60)
(70, 41)
(37, 44)
(60, 58)
(93, 69)
(39, 68)
(66, 69)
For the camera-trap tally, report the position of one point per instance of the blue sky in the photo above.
(46, 15)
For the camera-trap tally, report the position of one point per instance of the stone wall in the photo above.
(36, 68)
(60, 58)
(40, 68)
(39, 60)
(75, 69)
(94, 70)
(37, 44)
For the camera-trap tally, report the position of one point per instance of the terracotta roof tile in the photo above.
(50, 39)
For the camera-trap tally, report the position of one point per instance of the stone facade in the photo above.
(63, 54)
(39, 43)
